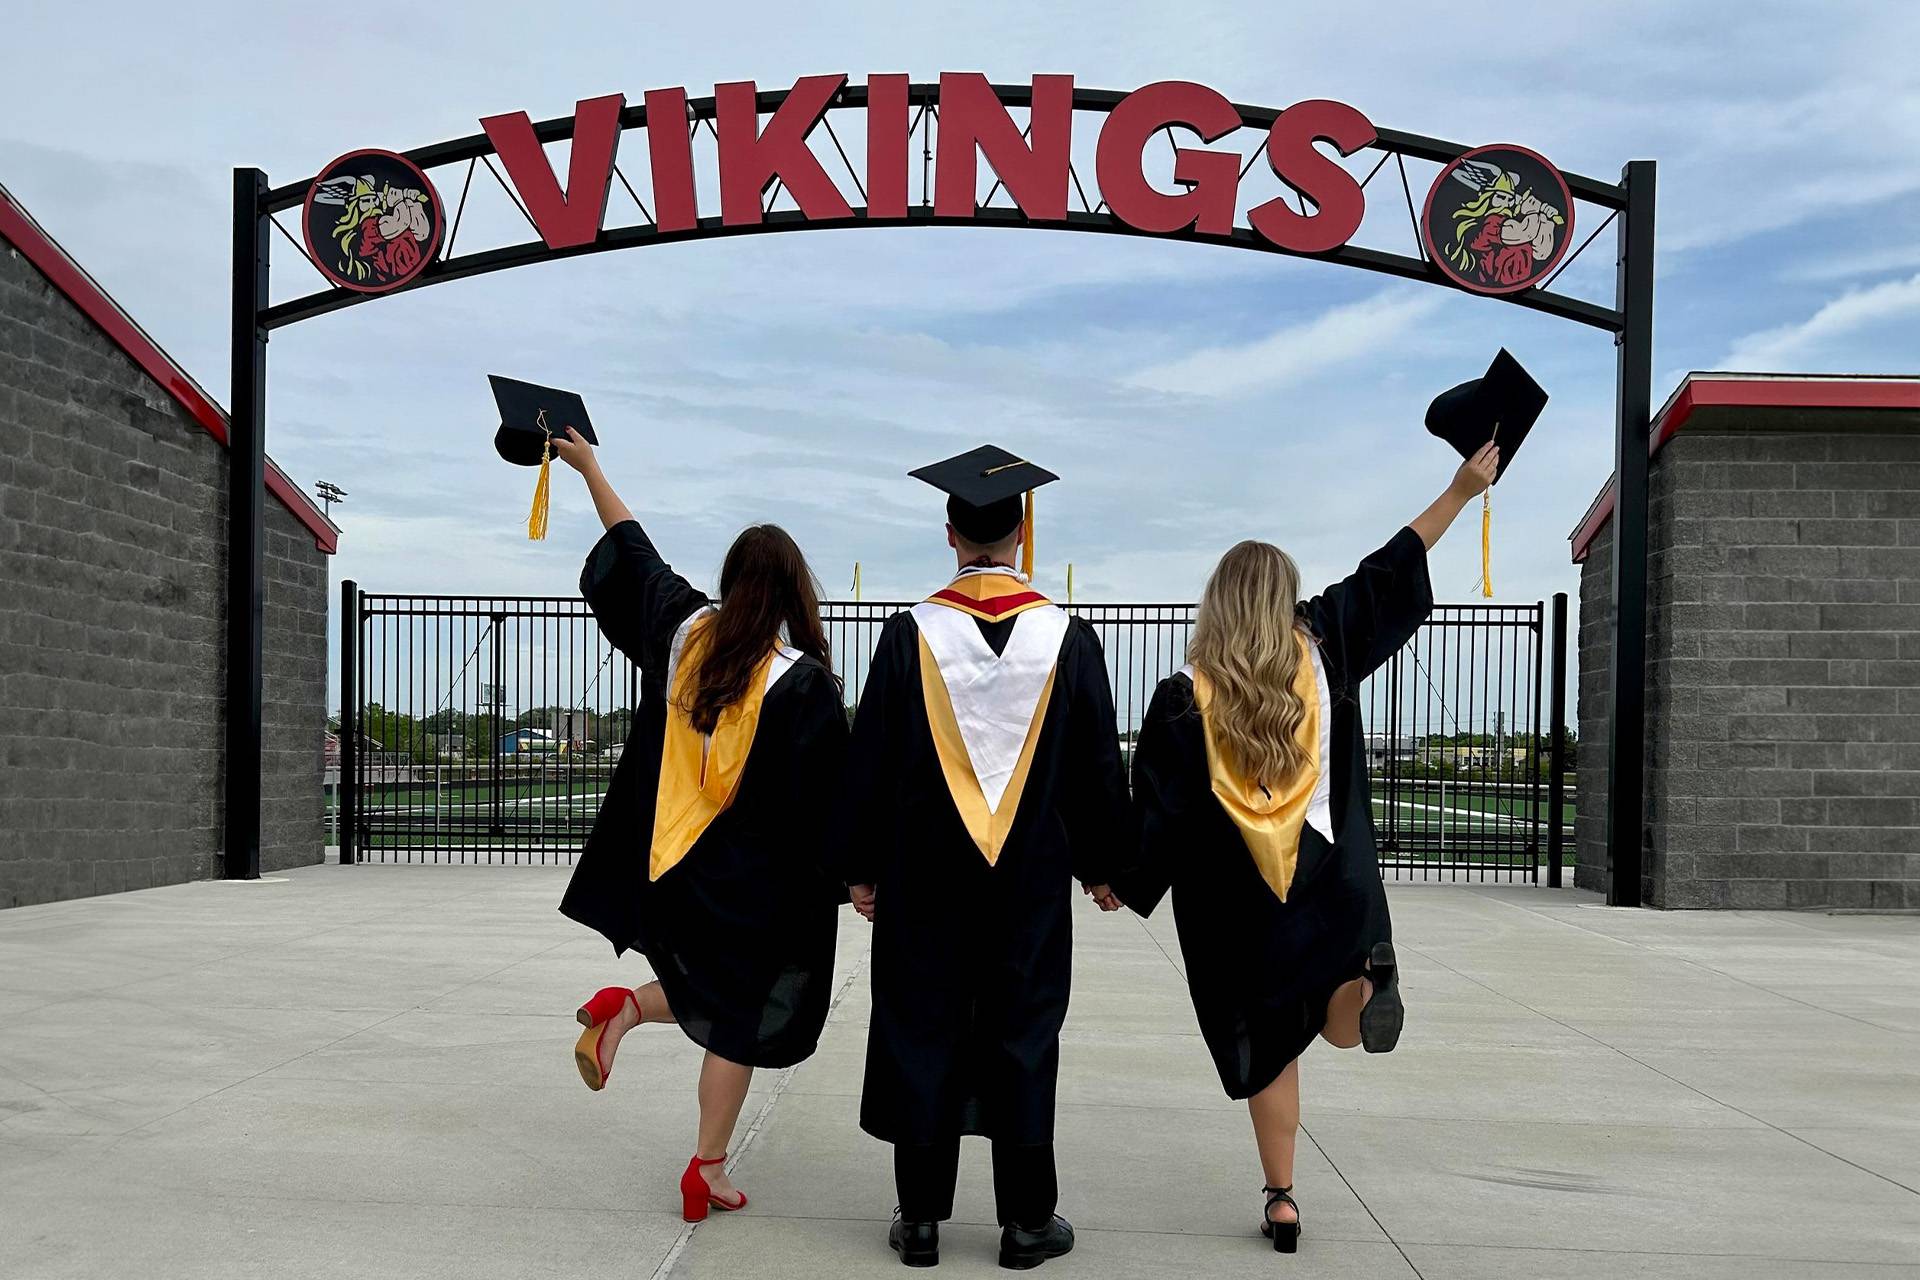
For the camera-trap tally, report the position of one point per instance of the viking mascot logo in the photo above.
(372, 221)
(1497, 219)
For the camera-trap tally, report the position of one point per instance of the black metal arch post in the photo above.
(1630, 320)
(1633, 411)
(246, 479)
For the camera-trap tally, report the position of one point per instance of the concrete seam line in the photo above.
(681, 1241)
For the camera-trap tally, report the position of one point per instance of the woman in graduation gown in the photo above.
(709, 853)
(1250, 785)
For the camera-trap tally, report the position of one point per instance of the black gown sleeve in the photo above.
(817, 773)
(1163, 798)
(637, 598)
(872, 823)
(1094, 805)
(1365, 619)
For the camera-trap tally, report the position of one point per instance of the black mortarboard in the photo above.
(528, 412)
(529, 415)
(1506, 400)
(984, 488)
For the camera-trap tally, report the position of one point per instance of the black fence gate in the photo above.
(486, 729)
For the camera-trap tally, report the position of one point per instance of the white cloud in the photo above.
(796, 377)
(1336, 337)
(1851, 314)
(1900, 255)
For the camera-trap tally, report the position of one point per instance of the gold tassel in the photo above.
(537, 518)
(1069, 582)
(1026, 549)
(1486, 544)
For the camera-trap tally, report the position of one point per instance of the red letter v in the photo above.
(573, 217)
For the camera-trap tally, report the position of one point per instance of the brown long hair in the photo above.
(764, 583)
(1244, 640)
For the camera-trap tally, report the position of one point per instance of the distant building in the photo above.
(528, 741)
(575, 727)
(1382, 747)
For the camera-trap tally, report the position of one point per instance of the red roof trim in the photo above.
(19, 229)
(1770, 391)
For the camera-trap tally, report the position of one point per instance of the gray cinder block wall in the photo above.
(1783, 666)
(112, 615)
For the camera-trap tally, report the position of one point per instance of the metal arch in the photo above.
(787, 220)
(1630, 320)
(926, 94)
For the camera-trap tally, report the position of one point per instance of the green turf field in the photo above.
(553, 815)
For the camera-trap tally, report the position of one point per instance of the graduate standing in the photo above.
(1250, 784)
(709, 854)
(985, 777)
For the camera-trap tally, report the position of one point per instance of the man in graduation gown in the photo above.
(985, 777)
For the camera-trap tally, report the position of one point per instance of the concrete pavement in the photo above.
(366, 1072)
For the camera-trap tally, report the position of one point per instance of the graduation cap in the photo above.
(1499, 407)
(984, 489)
(530, 416)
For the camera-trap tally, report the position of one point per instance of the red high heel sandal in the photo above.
(594, 1016)
(697, 1196)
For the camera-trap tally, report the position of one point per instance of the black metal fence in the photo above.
(475, 729)
(1462, 767)
(485, 729)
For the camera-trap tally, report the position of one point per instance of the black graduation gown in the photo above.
(1260, 970)
(741, 932)
(972, 963)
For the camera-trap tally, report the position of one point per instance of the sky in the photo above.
(1188, 395)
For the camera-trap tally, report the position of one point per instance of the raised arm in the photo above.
(636, 597)
(1366, 617)
(1468, 483)
(579, 455)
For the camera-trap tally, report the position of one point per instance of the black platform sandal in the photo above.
(1383, 1015)
(1285, 1235)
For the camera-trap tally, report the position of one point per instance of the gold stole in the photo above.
(1269, 821)
(991, 596)
(699, 774)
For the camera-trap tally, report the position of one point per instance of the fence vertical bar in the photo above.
(496, 696)
(1538, 633)
(346, 782)
(1556, 746)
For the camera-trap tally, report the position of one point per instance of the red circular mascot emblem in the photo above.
(372, 221)
(1497, 219)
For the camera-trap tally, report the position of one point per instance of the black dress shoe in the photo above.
(917, 1243)
(1383, 1014)
(1022, 1250)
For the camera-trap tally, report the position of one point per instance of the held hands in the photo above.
(575, 452)
(1476, 473)
(862, 895)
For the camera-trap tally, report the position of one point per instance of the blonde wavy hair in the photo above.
(1244, 641)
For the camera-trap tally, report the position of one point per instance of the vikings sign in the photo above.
(372, 221)
(1497, 219)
